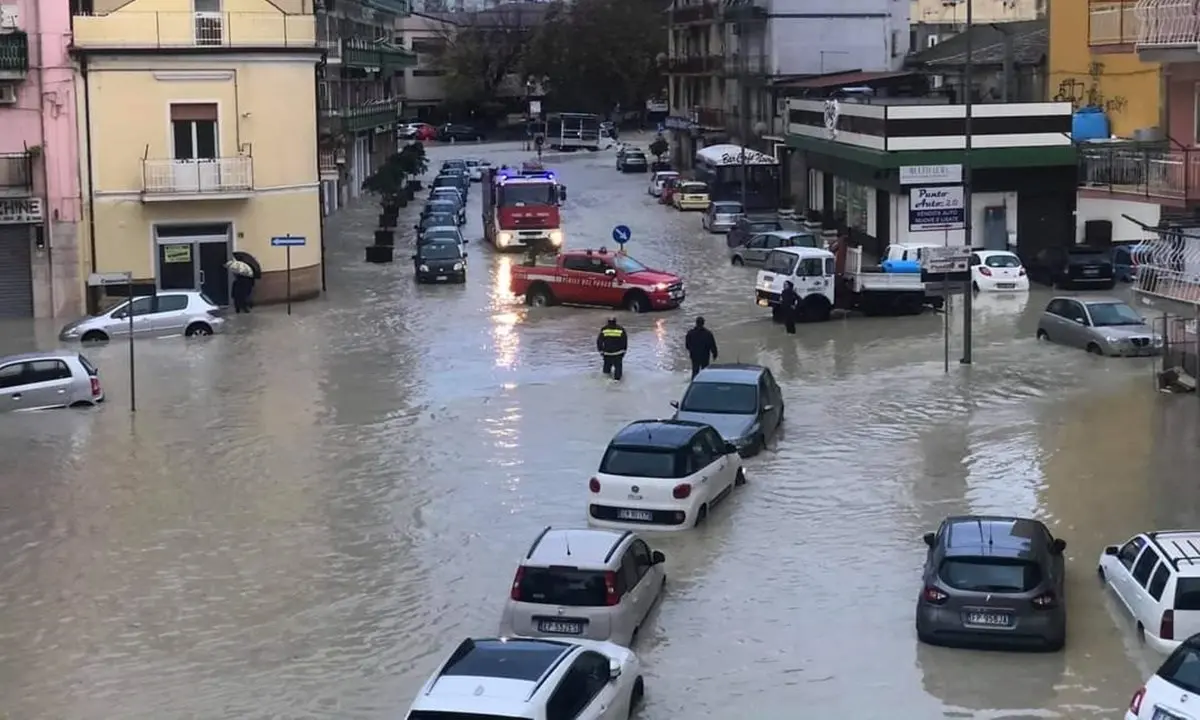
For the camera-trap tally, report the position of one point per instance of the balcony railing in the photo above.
(1160, 173)
(329, 162)
(216, 178)
(14, 55)
(745, 10)
(376, 55)
(131, 29)
(1112, 23)
(1168, 23)
(16, 172)
(695, 64)
(359, 117)
(701, 12)
(754, 64)
(1169, 267)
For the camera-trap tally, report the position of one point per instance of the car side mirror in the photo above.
(929, 538)
(657, 557)
(1112, 550)
(1058, 546)
(675, 404)
(416, 227)
(610, 272)
(1081, 321)
(119, 315)
(730, 448)
(614, 670)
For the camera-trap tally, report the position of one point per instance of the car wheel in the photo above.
(740, 480)
(1042, 335)
(1094, 349)
(637, 303)
(635, 698)
(701, 516)
(737, 260)
(1100, 574)
(94, 336)
(198, 329)
(975, 286)
(539, 297)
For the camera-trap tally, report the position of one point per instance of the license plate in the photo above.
(641, 515)
(1006, 286)
(989, 619)
(763, 302)
(1160, 714)
(1091, 271)
(559, 627)
(442, 277)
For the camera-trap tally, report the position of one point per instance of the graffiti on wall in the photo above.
(1086, 92)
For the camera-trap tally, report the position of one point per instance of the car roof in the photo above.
(804, 252)
(991, 253)
(441, 201)
(1181, 548)
(495, 670)
(45, 355)
(787, 233)
(997, 535)
(433, 229)
(667, 434)
(585, 547)
(1104, 300)
(736, 373)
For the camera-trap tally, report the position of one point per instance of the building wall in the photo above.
(1183, 92)
(266, 108)
(423, 84)
(804, 35)
(942, 12)
(44, 117)
(1125, 87)
(1092, 207)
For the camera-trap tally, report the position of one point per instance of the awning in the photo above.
(842, 79)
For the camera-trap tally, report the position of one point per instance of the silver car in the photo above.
(587, 583)
(176, 312)
(721, 216)
(740, 401)
(36, 381)
(1102, 326)
(758, 247)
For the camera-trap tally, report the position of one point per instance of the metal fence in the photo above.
(1167, 23)
(1181, 346)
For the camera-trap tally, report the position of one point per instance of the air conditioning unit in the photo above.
(8, 94)
(210, 28)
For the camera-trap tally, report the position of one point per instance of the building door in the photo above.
(214, 278)
(995, 228)
(16, 272)
(177, 266)
(194, 147)
(193, 257)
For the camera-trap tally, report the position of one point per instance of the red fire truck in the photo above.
(520, 209)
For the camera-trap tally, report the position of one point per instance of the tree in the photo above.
(483, 48)
(413, 160)
(658, 148)
(388, 180)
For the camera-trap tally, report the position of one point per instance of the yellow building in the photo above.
(1093, 62)
(198, 139)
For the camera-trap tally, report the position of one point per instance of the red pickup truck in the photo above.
(597, 277)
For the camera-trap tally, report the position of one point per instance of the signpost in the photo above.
(121, 278)
(621, 235)
(951, 267)
(287, 242)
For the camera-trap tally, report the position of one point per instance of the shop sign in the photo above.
(679, 123)
(21, 211)
(177, 253)
(936, 208)
(931, 174)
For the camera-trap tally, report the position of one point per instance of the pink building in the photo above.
(40, 261)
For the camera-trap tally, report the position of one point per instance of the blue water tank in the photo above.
(1089, 123)
(901, 266)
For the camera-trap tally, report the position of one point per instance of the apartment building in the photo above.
(937, 20)
(425, 36)
(39, 189)
(198, 139)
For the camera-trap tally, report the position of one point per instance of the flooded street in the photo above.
(305, 515)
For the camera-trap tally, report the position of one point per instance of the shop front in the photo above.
(21, 219)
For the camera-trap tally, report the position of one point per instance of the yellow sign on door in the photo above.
(177, 253)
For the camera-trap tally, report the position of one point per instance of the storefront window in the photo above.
(850, 202)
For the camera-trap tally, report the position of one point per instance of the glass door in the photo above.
(214, 278)
(177, 266)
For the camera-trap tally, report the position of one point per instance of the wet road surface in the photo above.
(306, 514)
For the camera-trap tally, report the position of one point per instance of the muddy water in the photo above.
(304, 515)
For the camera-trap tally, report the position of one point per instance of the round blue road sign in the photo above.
(621, 234)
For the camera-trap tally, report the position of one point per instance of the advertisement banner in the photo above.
(936, 208)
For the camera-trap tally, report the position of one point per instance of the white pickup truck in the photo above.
(906, 258)
(813, 273)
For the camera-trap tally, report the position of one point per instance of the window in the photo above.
(141, 306)
(509, 660)
(641, 554)
(194, 131)
(562, 586)
(1002, 261)
(430, 46)
(987, 574)
(1187, 593)
(1182, 668)
(810, 267)
(172, 303)
(759, 241)
(830, 266)
(1074, 311)
(1129, 552)
(640, 462)
(630, 572)
(581, 683)
(720, 398)
(1159, 581)
(698, 455)
(1145, 564)
(585, 264)
(207, 6)
(12, 375)
(628, 265)
(46, 371)
(764, 394)
(780, 262)
(716, 445)
(88, 367)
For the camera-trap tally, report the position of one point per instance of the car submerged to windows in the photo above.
(721, 216)
(742, 402)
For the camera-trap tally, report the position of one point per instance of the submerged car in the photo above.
(446, 206)
(1102, 326)
(690, 195)
(997, 271)
(758, 247)
(42, 380)
(742, 402)
(435, 220)
(721, 216)
(441, 260)
(178, 312)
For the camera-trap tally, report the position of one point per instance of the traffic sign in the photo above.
(946, 264)
(108, 278)
(287, 241)
(621, 234)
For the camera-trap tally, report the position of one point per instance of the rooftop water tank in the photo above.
(1089, 123)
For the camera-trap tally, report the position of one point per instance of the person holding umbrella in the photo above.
(245, 270)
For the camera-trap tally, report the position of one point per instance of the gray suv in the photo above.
(585, 583)
(993, 581)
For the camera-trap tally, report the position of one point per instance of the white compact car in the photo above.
(997, 271)
(658, 179)
(1156, 576)
(663, 475)
(532, 679)
(174, 312)
(1172, 692)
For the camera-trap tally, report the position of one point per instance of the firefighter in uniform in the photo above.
(611, 343)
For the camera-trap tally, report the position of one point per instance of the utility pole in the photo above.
(968, 300)
(743, 98)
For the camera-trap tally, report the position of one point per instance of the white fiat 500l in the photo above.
(997, 271)
(662, 475)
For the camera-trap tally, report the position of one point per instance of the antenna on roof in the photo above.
(567, 542)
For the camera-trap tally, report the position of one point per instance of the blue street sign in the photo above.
(287, 241)
(621, 234)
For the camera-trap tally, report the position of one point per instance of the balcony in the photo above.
(754, 65)
(1169, 270)
(361, 117)
(330, 162)
(745, 11)
(694, 13)
(230, 178)
(1168, 30)
(1169, 176)
(1112, 23)
(372, 55)
(712, 118)
(14, 55)
(125, 30)
(16, 173)
(695, 65)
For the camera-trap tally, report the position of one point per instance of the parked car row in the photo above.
(440, 251)
(448, 132)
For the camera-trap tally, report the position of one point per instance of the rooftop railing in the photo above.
(1162, 173)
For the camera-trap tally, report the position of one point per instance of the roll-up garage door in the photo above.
(16, 275)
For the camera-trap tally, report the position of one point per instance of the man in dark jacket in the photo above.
(611, 343)
(701, 346)
(240, 290)
(789, 305)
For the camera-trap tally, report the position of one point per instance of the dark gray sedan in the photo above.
(741, 401)
(993, 581)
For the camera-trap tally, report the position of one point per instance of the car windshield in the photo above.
(988, 574)
(562, 586)
(1182, 668)
(693, 187)
(635, 154)
(518, 194)
(435, 219)
(1002, 261)
(626, 264)
(724, 398)
(440, 251)
(727, 208)
(639, 462)
(440, 206)
(1110, 314)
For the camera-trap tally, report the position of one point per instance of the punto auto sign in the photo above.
(20, 211)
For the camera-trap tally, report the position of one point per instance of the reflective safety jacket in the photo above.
(612, 340)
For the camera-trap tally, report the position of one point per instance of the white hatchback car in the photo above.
(1156, 576)
(662, 475)
(1167, 693)
(41, 380)
(658, 179)
(532, 679)
(998, 271)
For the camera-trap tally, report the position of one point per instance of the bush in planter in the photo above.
(658, 148)
(388, 183)
(415, 164)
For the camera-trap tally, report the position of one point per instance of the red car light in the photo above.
(515, 594)
(95, 387)
(1135, 703)
(682, 491)
(594, 485)
(610, 589)
(934, 596)
(985, 272)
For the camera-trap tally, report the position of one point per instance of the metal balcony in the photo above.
(1169, 270)
(752, 65)
(1170, 176)
(229, 178)
(1112, 22)
(14, 55)
(695, 65)
(16, 173)
(376, 55)
(1168, 30)
(350, 119)
(694, 13)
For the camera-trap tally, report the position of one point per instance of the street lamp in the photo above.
(968, 69)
